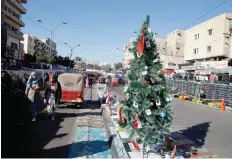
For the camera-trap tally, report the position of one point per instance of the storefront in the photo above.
(205, 65)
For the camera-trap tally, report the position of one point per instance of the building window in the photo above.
(171, 64)
(14, 46)
(8, 10)
(7, 26)
(195, 51)
(208, 48)
(210, 31)
(16, 15)
(196, 36)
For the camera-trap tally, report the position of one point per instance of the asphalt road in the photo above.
(45, 138)
(208, 127)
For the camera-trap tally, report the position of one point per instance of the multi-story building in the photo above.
(11, 11)
(128, 56)
(171, 49)
(36, 47)
(209, 40)
(208, 44)
(48, 41)
(161, 45)
(175, 43)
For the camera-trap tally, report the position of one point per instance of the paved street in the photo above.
(46, 138)
(205, 126)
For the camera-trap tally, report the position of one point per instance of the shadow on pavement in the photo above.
(76, 149)
(197, 133)
(28, 140)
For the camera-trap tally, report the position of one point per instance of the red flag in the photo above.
(136, 146)
(135, 123)
(173, 152)
(140, 45)
(120, 114)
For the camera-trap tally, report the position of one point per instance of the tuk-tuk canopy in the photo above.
(71, 81)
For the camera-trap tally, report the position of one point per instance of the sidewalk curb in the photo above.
(117, 148)
(227, 108)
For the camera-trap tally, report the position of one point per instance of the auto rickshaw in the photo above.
(114, 81)
(72, 86)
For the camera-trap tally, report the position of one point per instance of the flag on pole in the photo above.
(140, 45)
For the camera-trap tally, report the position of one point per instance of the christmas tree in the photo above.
(147, 110)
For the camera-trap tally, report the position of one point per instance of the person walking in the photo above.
(33, 94)
(52, 94)
(212, 78)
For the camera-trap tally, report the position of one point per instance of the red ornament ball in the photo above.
(145, 83)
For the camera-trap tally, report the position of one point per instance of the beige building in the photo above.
(11, 11)
(171, 49)
(161, 45)
(209, 40)
(128, 56)
(38, 47)
(175, 43)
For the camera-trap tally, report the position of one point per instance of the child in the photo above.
(52, 94)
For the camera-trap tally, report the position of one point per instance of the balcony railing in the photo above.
(19, 6)
(23, 1)
(17, 34)
(17, 20)
(9, 52)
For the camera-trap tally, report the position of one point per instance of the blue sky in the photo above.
(101, 26)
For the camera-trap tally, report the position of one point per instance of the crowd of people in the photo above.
(192, 76)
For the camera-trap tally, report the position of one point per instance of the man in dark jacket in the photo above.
(52, 94)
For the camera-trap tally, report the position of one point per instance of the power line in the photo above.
(36, 23)
(219, 5)
(55, 14)
(41, 27)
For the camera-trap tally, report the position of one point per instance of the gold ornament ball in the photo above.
(160, 73)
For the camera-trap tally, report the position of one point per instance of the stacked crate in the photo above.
(213, 91)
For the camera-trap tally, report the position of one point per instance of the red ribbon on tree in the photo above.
(136, 125)
(136, 146)
(140, 46)
(120, 114)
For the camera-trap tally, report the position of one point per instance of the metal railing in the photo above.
(212, 91)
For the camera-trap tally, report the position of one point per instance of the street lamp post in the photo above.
(52, 30)
(71, 53)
